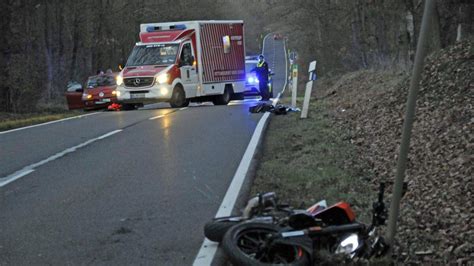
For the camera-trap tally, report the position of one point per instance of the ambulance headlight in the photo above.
(119, 80)
(162, 79)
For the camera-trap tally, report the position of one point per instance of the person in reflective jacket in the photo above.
(262, 74)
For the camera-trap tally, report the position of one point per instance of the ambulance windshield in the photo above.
(153, 54)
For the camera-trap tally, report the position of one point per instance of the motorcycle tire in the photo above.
(245, 244)
(216, 229)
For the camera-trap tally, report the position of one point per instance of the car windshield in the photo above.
(153, 54)
(101, 81)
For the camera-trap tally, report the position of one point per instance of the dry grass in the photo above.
(11, 121)
(305, 161)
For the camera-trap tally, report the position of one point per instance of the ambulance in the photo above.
(182, 62)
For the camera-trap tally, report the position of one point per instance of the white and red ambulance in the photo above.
(179, 62)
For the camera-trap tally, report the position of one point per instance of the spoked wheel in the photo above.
(250, 244)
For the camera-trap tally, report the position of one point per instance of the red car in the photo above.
(99, 93)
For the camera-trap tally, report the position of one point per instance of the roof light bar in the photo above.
(178, 27)
(152, 28)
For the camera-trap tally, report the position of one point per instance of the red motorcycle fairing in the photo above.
(337, 214)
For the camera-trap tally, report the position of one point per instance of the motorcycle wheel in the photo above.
(216, 229)
(245, 244)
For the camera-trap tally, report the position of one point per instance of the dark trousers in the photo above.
(263, 87)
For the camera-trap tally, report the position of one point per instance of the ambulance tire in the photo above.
(128, 106)
(178, 98)
(238, 96)
(223, 99)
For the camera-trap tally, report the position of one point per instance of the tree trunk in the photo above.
(48, 54)
(435, 43)
(5, 13)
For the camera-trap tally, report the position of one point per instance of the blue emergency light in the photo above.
(172, 27)
(178, 27)
(152, 28)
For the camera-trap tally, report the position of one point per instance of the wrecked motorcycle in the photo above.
(295, 239)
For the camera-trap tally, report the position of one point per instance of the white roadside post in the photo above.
(309, 87)
(294, 84)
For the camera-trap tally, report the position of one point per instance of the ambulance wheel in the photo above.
(178, 98)
(238, 96)
(223, 99)
(128, 106)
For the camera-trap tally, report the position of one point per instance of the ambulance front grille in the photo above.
(138, 82)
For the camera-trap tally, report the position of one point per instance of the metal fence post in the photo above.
(421, 50)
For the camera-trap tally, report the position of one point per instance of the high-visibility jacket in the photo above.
(262, 71)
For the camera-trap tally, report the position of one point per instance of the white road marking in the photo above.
(275, 100)
(184, 108)
(109, 134)
(16, 176)
(30, 168)
(209, 248)
(155, 117)
(47, 123)
(243, 102)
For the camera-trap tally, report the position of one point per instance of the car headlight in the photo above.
(119, 80)
(116, 93)
(252, 80)
(348, 245)
(163, 78)
(86, 96)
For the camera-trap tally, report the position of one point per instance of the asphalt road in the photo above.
(139, 195)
